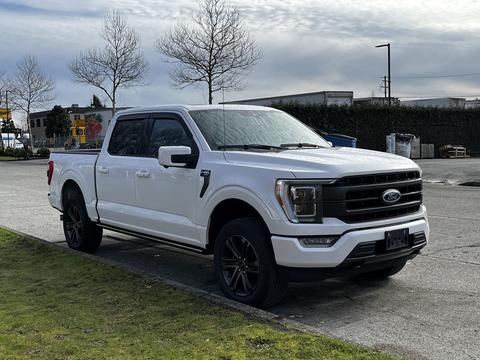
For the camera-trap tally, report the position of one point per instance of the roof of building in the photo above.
(373, 98)
(437, 98)
(292, 96)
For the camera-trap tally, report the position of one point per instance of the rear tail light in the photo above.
(50, 172)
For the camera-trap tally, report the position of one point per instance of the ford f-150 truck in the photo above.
(267, 196)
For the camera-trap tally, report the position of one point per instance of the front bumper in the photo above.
(290, 253)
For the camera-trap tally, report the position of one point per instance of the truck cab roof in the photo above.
(184, 107)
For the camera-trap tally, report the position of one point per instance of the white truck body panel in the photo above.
(139, 195)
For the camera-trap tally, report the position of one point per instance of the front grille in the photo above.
(359, 198)
(373, 248)
(363, 250)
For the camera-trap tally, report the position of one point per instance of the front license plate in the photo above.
(396, 239)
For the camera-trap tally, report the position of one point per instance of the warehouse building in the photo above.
(472, 104)
(445, 102)
(375, 101)
(339, 98)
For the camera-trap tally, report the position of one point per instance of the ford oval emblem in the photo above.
(391, 196)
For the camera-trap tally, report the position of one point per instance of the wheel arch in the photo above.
(84, 183)
(228, 210)
(69, 185)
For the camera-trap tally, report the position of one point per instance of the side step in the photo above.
(172, 243)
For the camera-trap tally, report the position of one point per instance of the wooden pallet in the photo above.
(453, 152)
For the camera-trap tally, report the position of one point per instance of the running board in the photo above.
(172, 243)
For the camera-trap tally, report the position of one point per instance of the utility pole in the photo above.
(389, 73)
(384, 86)
(6, 103)
(1, 137)
(7, 122)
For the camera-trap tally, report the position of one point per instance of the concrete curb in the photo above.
(218, 300)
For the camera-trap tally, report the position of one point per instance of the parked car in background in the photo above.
(9, 141)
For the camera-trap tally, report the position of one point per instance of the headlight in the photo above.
(300, 200)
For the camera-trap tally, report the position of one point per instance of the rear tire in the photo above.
(384, 273)
(80, 232)
(244, 263)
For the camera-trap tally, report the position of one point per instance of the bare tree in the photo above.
(215, 49)
(3, 88)
(119, 64)
(31, 88)
(3, 95)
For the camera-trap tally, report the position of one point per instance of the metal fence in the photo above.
(65, 143)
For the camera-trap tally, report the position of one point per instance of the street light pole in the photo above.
(389, 73)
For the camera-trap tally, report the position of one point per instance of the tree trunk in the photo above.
(29, 129)
(210, 96)
(114, 105)
(2, 147)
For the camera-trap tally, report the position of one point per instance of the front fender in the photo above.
(266, 211)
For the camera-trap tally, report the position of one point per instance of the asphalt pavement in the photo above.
(430, 310)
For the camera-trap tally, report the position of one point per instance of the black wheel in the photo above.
(245, 266)
(81, 233)
(384, 273)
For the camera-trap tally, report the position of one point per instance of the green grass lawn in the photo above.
(7, 158)
(57, 305)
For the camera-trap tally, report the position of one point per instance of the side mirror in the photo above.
(330, 143)
(176, 156)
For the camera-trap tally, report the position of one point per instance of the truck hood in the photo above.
(329, 163)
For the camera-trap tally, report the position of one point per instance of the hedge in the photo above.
(370, 124)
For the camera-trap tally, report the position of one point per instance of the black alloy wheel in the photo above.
(245, 265)
(73, 226)
(80, 232)
(240, 265)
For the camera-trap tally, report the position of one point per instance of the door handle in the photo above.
(143, 174)
(103, 170)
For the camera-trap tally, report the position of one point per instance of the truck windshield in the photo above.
(254, 129)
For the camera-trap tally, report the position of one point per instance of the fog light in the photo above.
(318, 240)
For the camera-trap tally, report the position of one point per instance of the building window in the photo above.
(76, 117)
(32, 123)
(38, 122)
(44, 122)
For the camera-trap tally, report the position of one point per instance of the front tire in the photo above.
(245, 266)
(80, 232)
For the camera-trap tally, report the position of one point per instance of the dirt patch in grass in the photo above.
(57, 305)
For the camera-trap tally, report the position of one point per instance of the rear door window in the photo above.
(127, 137)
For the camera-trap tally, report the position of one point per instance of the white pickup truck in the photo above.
(268, 197)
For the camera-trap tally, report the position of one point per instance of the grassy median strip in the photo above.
(57, 305)
(7, 158)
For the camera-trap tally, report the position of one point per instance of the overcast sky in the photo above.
(308, 45)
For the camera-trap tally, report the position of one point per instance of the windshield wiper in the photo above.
(301, 145)
(250, 146)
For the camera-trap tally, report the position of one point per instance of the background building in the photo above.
(472, 104)
(101, 117)
(321, 98)
(446, 102)
(375, 100)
